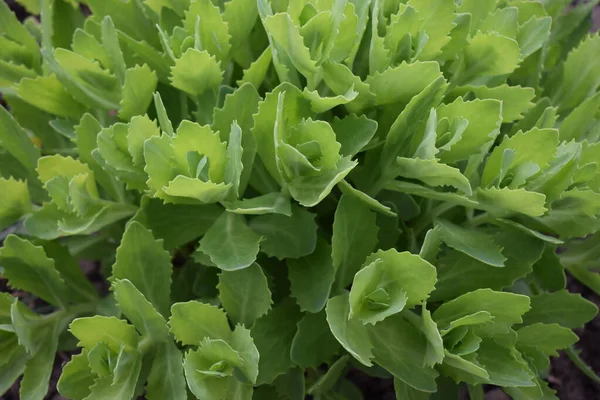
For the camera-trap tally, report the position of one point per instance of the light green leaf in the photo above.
(432, 173)
(273, 335)
(138, 253)
(389, 282)
(533, 34)
(352, 334)
(576, 124)
(245, 294)
(566, 309)
(76, 377)
(140, 311)
(15, 141)
(402, 83)
(27, 267)
(287, 237)
(434, 354)
(353, 133)
(15, 202)
(230, 244)
(400, 348)
(271, 203)
(506, 308)
(205, 22)
(346, 188)
(138, 88)
(459, 273)
(311, 278)
(314, 343)
(504, 366)
(48, 94)
(485, 118)
(234, 167)
(117, 334)
(506, 200)
(516, 100)
(242, 342)
(487, 55)
(475, 244)
(110, 43)
(577, 84)
(403, 129)
(354, 238)
(193, 321)
(196, 72)
(166, 380)
(256, 72)
(123, 381)
(546, 337)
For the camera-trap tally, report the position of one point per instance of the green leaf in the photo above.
(353, 133)
(271, 203)
(256, 72)
(15, 141)
(117, 334)
(243, 343)
(287, 237)
(123, 383)
(434, 354)
(459, 273)
(27, 267)
(474, 244)
(577, 84)
(140, 84)
(506, 308)
(375, 205)
(516, 100)
(138, 253)
(402, 83)
(15, 203)
(166, 380)
(350, 333)
(566, 309)
(546, 337)
(507, 200)
(230, 243)
(204, 20)
(314, 343)
(400, 348)
(193, 321)
(404, 391)
(389, 282)
(48, 94)
(76, 377)
(273, 335)
(402, 130)
(576, 124)
(234, 166)
(432, 173)
(196, 72)
(354, 238)
(487, 55)
(485, 118)
(311, 278)
(245, 294)
(140, 311)
(504, 366)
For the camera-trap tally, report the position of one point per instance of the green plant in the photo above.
(278, 191)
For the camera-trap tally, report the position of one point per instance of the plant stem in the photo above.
(427, 218)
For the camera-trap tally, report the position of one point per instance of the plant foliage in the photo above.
(277, 191)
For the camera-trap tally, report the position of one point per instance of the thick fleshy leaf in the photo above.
(566, 309)
(314, 343)
(354, 238)
(286, 237)
(230, 243)
(15, 203)
(138, 253)
(245, 294)
(196, 72)
(273, 335)
(193, 321)
(311, 278)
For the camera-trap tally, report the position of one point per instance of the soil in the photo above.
(569, 382)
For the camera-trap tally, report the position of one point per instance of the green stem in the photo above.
(479, 219)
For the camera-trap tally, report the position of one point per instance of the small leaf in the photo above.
(196, 72)
(273, 335)
(311, 278)
(137, 254)
(140, 84)
(193, 321)
(474, 244)
(566, 309)
(117, 334)
(230, 243)
(271, 203)
(166, 380)
(287, 237)
(15, 202)
(313, 344)
(245, 294)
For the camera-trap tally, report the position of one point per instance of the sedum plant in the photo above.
(278, 191)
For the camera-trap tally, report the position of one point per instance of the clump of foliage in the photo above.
(278, 191)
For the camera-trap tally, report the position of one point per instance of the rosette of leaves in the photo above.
(296, 188)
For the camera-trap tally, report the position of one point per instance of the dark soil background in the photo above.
(569, 382)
